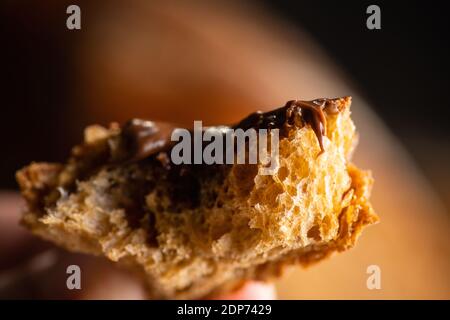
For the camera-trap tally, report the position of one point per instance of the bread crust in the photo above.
(244, 226)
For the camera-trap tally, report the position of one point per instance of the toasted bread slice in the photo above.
(204, 229)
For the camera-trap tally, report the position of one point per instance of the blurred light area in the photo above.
(181, 61)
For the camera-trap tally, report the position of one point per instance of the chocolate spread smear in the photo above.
(142, 138)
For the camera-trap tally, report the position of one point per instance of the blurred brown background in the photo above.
(218, 62)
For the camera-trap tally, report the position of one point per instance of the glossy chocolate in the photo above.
(143, 138)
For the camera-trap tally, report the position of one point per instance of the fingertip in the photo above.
(252, 291)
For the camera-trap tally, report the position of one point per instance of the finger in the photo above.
(109, 282)
(251, 291)
(10, 232)
(16, 243)
(47, 276)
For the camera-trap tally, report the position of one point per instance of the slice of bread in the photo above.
(201, 230)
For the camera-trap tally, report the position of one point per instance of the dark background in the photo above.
(401, 69)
